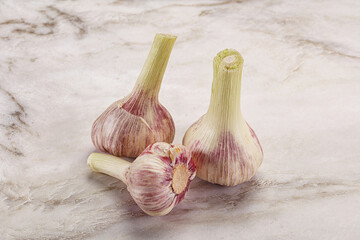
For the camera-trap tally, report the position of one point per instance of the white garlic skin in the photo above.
(225, 149)
(150, 177)
(129, 125)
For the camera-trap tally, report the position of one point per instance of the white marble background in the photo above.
(63, 62)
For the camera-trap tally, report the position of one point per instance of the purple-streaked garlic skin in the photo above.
(224, 147)
(149, 178)
(129, 125)
(221, 158)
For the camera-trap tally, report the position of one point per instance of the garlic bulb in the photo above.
(157, 180)
(224, 147)
(129, 125)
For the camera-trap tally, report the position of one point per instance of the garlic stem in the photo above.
(224, 109)
(150, 78)
(110, 165)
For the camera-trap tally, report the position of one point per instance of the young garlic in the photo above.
(157, 180)
(224, 147)
(129, 125)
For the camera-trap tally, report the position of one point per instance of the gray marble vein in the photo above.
(63, 62)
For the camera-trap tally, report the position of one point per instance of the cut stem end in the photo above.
(228, 59)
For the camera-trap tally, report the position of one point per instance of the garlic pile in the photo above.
(224, 147)
(157, 180)
(129, 125)
(221, 143)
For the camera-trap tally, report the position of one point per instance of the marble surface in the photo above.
(63, 62)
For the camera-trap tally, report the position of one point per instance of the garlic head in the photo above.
(224, 147)
(129, 125)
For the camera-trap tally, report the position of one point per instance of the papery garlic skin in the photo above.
(150, 180)
(224, 147)
(157, 180)
(125, 130)
(129, 125)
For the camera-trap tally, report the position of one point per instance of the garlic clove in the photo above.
(224, 147)
(129, 125)
(157, 180)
